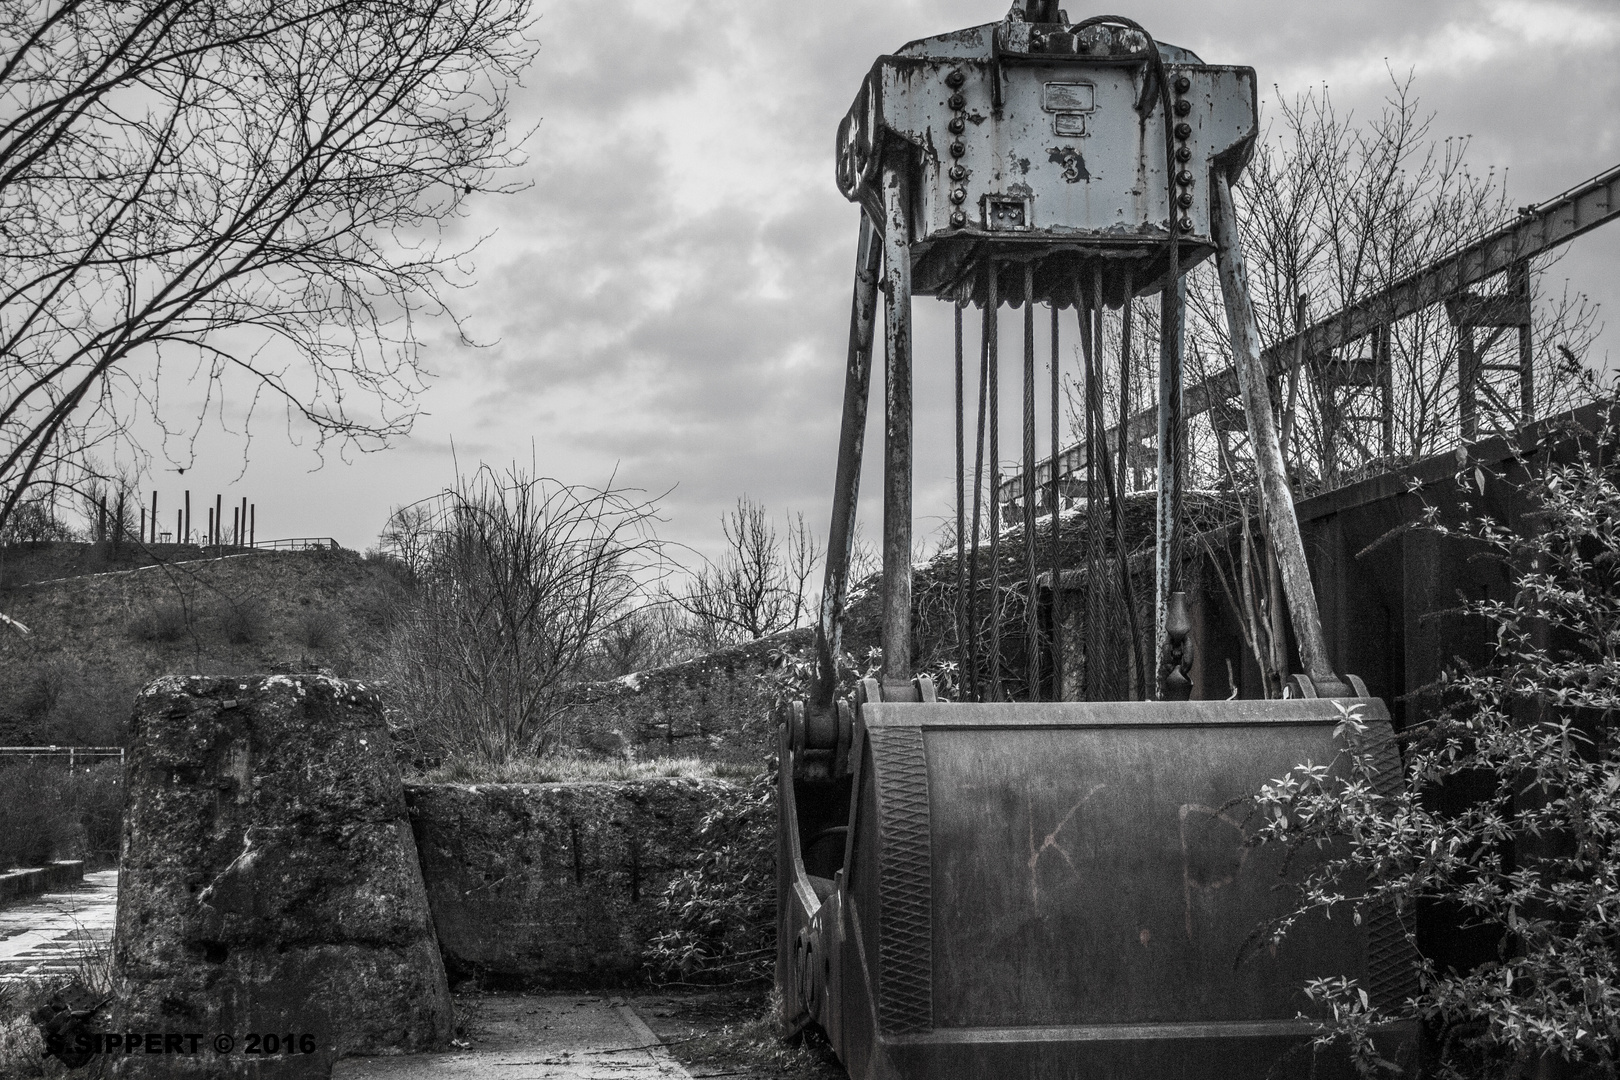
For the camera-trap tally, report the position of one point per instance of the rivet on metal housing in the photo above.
(1182, 84)
(957, 125)
(958, 195)
(1183, 153)
(1184, 130)
(957, 149)
(1186, 224)
(958, 172)
(1184, 177)
(958, 219)
(955, 79)
(1183, 107)
(1185, 199)
(957, 101)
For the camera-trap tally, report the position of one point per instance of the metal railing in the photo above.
(73, 754)
(299, 543)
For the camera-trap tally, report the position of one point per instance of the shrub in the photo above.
(722, 913)
(1533, 860)
(241, 622)
(48, 811)
(317, 628)
(162, 623)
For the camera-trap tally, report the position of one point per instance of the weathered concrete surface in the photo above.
(542, 1037)
(62, 874)
(715, 707)
(53, 935)
(269, 880)
(555, 884)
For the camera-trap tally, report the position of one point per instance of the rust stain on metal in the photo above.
(1050, 842)
(1202, 859)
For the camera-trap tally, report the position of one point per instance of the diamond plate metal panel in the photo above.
(905, 886)
(1391, 959)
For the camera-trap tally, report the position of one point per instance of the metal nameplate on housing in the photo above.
(1060, 97)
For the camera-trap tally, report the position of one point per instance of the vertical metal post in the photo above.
(1386, 388)
(1276, 498)
(1057, 521)
(253, 522)
(1467, 374)
(1091, 346)
(1125, 380)
(1031, 614)
(961, 514)
(219, 517)
(993, 412)
(1519, 285)
(986, 327)
(1166, 556)
(897, 429)
(847, 480)
(185, 534)
(154, 518)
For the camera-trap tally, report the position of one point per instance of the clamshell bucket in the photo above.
(1069, 890)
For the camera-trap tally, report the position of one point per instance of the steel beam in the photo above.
(1537, 229)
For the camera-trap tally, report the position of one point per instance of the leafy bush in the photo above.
(1534, 860)
(722, 913)
(241, 622)
(48, 811)
(163, 623)
(317, 628)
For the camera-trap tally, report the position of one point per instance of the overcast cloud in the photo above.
(668, 300)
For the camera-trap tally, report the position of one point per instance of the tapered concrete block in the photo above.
(270, 883)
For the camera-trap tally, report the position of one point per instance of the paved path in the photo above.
(55, 932)
(538, 1037)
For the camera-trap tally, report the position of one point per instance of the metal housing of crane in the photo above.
(1045, 888)
(1036, 140)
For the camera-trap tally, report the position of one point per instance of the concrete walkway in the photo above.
(56, 933)
(552, 1036)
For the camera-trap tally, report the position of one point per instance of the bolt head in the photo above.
(1186, 225)
(955, 79)
(958, 172)
(1183, 107)
(1183, 153)
(957, 101)
(1184, 130)
(958, 219)
(1184, 178)
(958, 195)
(957, 149)
(1182, 84)
(956, 125)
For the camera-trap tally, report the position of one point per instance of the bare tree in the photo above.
(524, 579)
(231, 194)
(756, 588)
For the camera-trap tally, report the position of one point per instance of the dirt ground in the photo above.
(713, 1033)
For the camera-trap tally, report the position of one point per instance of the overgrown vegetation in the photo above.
(50, 811)
(517, 578)
(721, 913)
(573, 769)
(1531, 858)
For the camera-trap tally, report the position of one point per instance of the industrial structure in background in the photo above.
(1004, 885)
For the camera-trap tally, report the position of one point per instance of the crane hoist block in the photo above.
(1037, 143)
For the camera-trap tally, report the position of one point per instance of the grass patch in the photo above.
(754, 1048)
(22, 1050)
(317, 628)
(165, 623)
(575, 770)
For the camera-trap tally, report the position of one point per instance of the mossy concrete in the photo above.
(556, 885)
(269, 879)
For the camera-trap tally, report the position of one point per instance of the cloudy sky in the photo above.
(668, 301)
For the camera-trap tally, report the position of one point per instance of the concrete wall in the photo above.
(716, 707)
(555, 884)
(15, 884)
